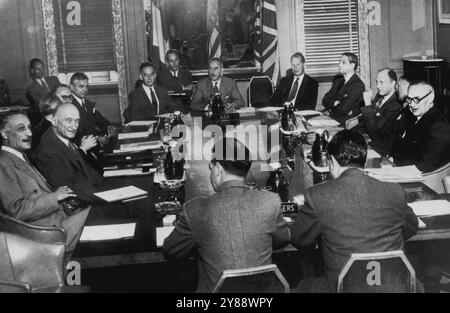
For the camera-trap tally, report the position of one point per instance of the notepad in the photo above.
(141, 123)
(162, 233)
(124, 136)
(108, 232)
(431, 208)
(402, 174)
(127, 172)
(120, 194)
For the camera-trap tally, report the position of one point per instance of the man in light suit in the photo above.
(353, 213)
(216, 83)
(149, 99)
(25, 194)
(298, 88)
(42, 85)
(237, 227)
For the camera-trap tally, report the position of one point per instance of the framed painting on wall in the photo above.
(444, 11)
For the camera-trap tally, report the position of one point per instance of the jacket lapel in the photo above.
(58, 144)
(302, 89)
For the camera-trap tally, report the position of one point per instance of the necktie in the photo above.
(83, 104)
(216, 88)
(154, 100)
(293, 90)
(44, 84)
(378, 104)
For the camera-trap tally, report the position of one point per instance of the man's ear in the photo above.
(54, 120)
(4, 134)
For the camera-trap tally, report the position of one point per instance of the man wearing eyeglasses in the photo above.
(237, 227)
(63, 93)
(425, 141)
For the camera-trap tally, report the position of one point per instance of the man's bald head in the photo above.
(386, 82)
(66, 120)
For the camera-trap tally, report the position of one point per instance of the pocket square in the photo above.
(345, 96)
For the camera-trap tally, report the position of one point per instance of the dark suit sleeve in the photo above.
(168, 101)
(237, 97)
(436, 148)
(377, 126)
(353, 99)
(310, 99)
(411, 224)
(331, 96)
(277, 98)
(180, 243)
(133, 107)
(100, 121)
(306, 227)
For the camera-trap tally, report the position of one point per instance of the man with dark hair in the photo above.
(425, 137)
(353, 213)
(216, 83)
(25, 194)
(345, 98)
(42, 85)
(63, 93)
(149, 99)
(237, 227)
(380, 115)
(47, 107)
(299, 88)
(402, 89)
(176, 80)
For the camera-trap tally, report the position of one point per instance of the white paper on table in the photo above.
(422, 224)
(166, 115)
(108, 232)
(162, 233)
(129, 192)
(307, 113)
(400, 174)
(124, 136)
(140, 146)
(431, 208)
(269, 109)
(141, 123)
(372, 154)
(127, 172)
(244, 111)
(168, 220)
(323, 122)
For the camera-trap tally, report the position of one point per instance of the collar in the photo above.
(349, 79)
(232, 184)
(300, 78)
(64, 140)
(218, 83)
(352, 171)
(175, 74)
(13, 151)
(79, 100)
(147, 88)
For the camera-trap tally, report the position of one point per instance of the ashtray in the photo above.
(168, 207)
(171, 184)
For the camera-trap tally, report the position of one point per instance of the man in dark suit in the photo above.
(345, 98)
(61, 161)
(47, 107)
(299, 88)
(149, 99)
(216, 83)
(353, 213)
(425, 141)
(176, 80)
(237, 227)
(380, 115)
(42, 85)
(25, 194)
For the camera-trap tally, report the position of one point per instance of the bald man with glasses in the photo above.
(425, 141)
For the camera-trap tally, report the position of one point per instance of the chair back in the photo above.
(446, 182)
(262, 279)
(260, 91)
(39, 265)
(434, 179)
(384, 272)
(41, 234)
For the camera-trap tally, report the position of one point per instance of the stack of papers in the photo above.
(124, 136)
(127, 172)
(323, 121)
(431, 208)
(141, 123)
(162, 233)
(141, 146)
(403, 174)
(108, 232)
(120, 194)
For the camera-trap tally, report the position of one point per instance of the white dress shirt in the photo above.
(149, 95)
(300, 81)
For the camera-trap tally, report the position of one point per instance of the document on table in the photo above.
(323, 121)
(141, 123)
(127, 172)
(141, 146)
(108, 232)
(308, 113)
(162, 233)
(120, 194)
(269, 109)
(402, 174)
(431, 208)
(124, 136)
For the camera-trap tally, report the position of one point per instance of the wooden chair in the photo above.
(381, 272)
(262, 279)
(434, 180)
(446, 182)
(260, 90)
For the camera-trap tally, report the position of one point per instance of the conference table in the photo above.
(142, 247)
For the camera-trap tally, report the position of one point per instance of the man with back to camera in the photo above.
(237, 227)
(299, 88)
(353, 213)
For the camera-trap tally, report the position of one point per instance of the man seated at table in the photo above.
(425, 141)
(25, 194)
(148, 99)
(380, 115)
(345, 98)
(47, 107)
(42, 85)
(61, 161)
(63, 93)
(176, 80)
(216, 83)
(353, 213)
(237, 227)
(298, 88)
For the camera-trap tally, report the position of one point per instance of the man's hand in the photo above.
(62, 193)
(88, 142)
(336, 103)
(368, 95)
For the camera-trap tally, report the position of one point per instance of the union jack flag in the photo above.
(215, 39)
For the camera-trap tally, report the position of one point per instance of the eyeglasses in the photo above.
(416, 100)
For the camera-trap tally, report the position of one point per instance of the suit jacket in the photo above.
(175, 84)
(38, 131)
(234, 228)
(141, 108)
(425, 143)
(306, 97)
(36, 92)
(349, 94)
(62, 167)
(380, 124)
(25, 194)
(205, 89)
(91, 120)
(352, 214)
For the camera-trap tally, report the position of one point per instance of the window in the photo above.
(331, 28)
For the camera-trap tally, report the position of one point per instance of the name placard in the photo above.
(289, 207)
